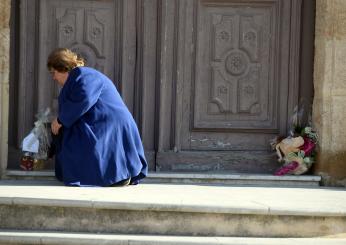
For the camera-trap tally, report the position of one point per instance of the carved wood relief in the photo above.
(82, 26)
(225, 83)
(117, 37)
(85, 31)
(235, 54)
(236, 93)
(209, 81)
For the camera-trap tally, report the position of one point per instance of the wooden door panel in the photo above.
(227, 78)
(235, 87)
(117, 37)
(82, 26)
(232, 85)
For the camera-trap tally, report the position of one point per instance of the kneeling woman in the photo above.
(100, 144)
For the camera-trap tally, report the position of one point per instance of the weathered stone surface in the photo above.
(339, 83)
(4, 37)
(329, 115)
(4, 78)
(161, 222)
(206, 210)
(339, 15)
(323, 18)
(61, 238)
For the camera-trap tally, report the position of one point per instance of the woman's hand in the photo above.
(55, 126)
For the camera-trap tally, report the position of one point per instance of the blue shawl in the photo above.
(100, 143)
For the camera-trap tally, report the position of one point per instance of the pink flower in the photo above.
(287, 169)
(308, 146)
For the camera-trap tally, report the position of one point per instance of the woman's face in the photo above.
(59, 77)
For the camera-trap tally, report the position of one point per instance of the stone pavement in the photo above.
(175, 197)
(47, 212)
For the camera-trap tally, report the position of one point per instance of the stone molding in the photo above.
(329, 115)
(5, 10)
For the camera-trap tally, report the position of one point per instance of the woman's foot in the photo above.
(121, 183)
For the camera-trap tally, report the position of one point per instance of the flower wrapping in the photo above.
(35, 145)
(308, 147)
(297, 151)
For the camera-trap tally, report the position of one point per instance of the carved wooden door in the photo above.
(81, 26)
(209, 82)
(234, 83)
(108, 34)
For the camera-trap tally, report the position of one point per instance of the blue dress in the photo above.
(100, 143)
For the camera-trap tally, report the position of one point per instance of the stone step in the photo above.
(235, 179)
(199, 178)
(171, 209)
(55, 238)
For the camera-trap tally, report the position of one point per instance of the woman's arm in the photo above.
(55, 126)
(79, 97)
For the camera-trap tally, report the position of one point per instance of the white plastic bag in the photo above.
(38, 140)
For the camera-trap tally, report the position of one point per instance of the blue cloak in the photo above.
(100, 143)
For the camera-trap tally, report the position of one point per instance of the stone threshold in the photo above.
(198, 178)
(42, 238)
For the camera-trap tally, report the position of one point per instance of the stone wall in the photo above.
(5, 7)
(329, 107)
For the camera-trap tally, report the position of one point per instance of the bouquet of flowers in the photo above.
(297, 151)
(35, 145)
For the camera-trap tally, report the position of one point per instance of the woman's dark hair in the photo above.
(63, 60)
